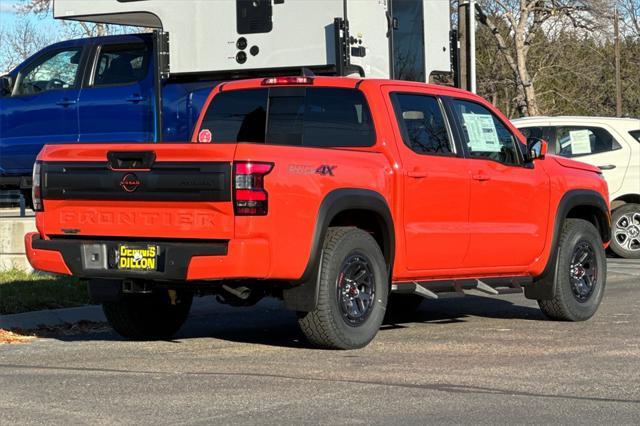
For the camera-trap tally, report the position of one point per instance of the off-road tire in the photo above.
(327, 326)
(615, 245)
(565, 306)
(148, 317)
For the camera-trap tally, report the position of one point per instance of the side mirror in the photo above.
(536, 149)
(6, 85)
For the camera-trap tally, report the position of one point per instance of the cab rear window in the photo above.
(294, 116)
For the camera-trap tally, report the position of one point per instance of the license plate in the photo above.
(137, 258)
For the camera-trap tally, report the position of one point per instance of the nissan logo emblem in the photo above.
(130, 182)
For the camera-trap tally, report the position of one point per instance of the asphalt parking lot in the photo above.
(473, 360)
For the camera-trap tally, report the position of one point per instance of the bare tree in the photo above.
(44, 7)
(630, 10)
(516, 25)
(19, 42)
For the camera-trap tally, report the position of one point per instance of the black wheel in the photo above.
(403, 305)
(581, 275)
(148, 317)
(625, 241)
(353, 291)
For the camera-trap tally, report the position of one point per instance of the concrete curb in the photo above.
(53, 317)
(34, 320)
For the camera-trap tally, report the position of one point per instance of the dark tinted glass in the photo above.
(484, 134)
(576, 141)
(422, 124)
(636, 134)
(408, 40)
(337, 118)
(320, 117)
(121, 65)
(237, 116)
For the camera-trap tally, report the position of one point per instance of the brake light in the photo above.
(275, 81)
(250, 197)
(36, 187)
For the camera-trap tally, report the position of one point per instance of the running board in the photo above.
(435, 290)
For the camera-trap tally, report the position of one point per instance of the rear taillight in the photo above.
(250, 197)
(36, 187)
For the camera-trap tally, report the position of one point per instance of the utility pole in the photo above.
(467, 45)
(616, 26)
(472, 46)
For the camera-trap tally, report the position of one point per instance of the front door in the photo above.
(436, 184)
(43, 109)
(509, 200)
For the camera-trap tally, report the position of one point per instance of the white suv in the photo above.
(613, 145)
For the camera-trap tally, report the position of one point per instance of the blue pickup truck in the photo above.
(90, 90)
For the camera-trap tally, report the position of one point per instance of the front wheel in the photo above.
(581, 273)
(353, 290)
(149, 317)
(626, 231)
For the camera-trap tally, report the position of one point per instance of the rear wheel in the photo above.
(581, 275)
(626, 231)
(353, 289)
(149, 317)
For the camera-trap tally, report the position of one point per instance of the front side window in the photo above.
(315, 117)
(55, 71)
(422, 124)
(635, 134)
(484, 134)
(121, 65)
(577, 141)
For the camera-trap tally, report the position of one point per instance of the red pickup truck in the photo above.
(343, 197)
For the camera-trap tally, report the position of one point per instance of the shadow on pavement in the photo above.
(270, 325)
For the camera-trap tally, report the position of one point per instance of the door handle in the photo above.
(607, 167)
(136, 99)
(66, 102)
(481, 177)
(415, 174)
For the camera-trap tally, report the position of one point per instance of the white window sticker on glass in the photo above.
(580, 142)
(483, 136)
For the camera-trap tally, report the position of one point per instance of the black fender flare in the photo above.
(303, 295)
(543, 287)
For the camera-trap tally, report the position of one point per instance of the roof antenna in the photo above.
(306, 72)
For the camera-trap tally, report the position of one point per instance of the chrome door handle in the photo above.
(607, 167)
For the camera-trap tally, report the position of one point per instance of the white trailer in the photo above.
(403, 39)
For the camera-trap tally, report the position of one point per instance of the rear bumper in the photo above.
(213, 260)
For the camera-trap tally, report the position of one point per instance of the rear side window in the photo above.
(422, 124)
(578, 141)
(121, 65)
(314, 117)
(636, 134)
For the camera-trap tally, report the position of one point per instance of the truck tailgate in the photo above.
(176, 191)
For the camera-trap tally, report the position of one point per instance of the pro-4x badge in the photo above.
(326, 170)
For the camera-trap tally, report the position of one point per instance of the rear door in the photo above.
(509, 200)
(436, 182)
(117, 103)
(597, 145)
(43, 108)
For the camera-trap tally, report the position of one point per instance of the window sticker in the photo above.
(483, 135)
(580, 142)
(205, 136)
